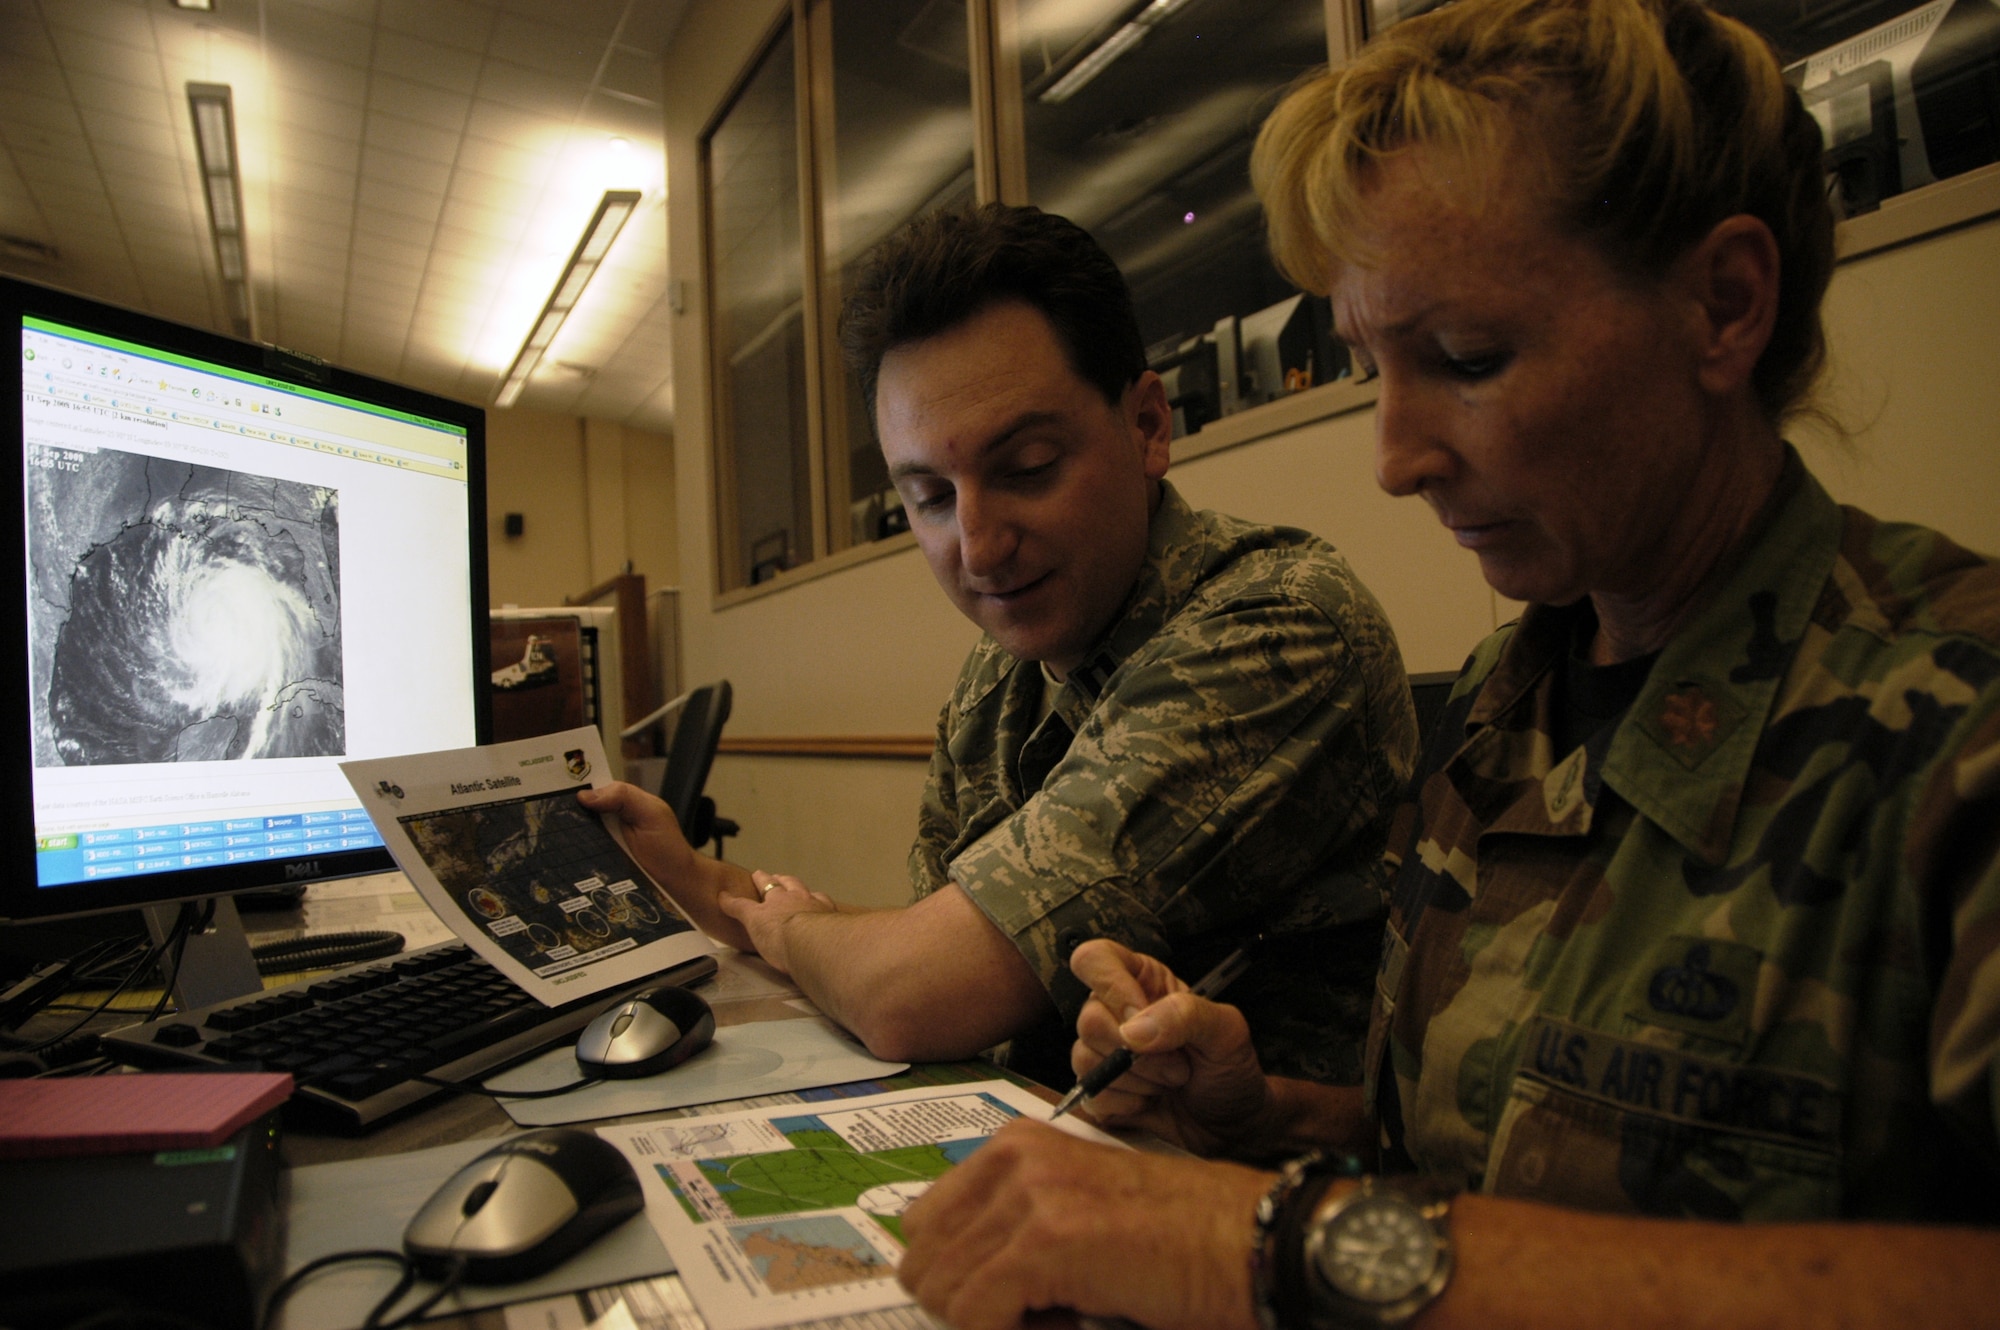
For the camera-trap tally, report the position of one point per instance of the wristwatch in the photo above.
(1370, 1256)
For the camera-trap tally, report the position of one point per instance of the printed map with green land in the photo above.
(824, 1170)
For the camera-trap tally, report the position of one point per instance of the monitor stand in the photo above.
(217, 964)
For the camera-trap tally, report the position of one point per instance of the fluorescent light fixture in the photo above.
(205, 6)
(1097, 60)
(612, 212)
(213, 109)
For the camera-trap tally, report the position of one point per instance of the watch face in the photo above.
(1380, 1249)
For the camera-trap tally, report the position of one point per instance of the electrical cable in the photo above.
(153, 954)
(454, 1275)
(324, 951)
(282, 1292)
(186, 924)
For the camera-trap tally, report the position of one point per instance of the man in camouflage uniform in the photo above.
(1181, 730)
(1210, 773)
(1686, 970)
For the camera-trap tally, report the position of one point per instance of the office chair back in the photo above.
(690, 756)
(1429, 692)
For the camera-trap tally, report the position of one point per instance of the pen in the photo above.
(1210, 985)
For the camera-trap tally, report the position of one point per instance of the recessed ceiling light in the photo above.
(612, 210)
(212, 108)
(204, 5)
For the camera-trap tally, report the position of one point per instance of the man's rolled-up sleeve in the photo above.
(1222, 767)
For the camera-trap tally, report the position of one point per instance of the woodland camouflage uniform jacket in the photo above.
(1223, 764)
(1738, 956)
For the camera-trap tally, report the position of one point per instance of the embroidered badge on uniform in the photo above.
(1692, 721)
(1698, 984)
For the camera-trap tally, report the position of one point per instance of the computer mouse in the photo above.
(654, 1029)
(524, 1207)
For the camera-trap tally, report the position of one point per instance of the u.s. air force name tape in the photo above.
(1683, 1087)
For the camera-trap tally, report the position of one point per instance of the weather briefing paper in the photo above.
(793, 1213)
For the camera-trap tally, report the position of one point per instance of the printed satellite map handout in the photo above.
(496, 842)
(793, 1212)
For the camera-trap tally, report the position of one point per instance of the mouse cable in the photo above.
(281, 1293)
(467, 1087)
(454, 1275)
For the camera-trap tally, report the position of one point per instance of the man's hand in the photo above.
(1196, 1080)
(764, 920)
(1036, 1218)
(698, 884)
(652, 832)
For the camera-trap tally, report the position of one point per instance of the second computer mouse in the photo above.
(646, 1033)
(524, 1207)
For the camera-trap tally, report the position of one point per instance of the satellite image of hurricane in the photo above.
(181, 613)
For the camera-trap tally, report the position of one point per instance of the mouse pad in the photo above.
(755, 1058)
(368, 1202)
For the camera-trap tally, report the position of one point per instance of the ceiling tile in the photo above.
(87, 51)
(297, 30)
(71, 205)
(419, 102)
(649, 27)
(493, 218)
(150, 135)
(390, 209)
(318, 124)
(380, 255)
(504, 123)
(409, 138)
(21, 34)
(567, 50)
(321, 241)
(358, 11)
(404, 171)
(301, 150)
(38, 140)
(301, 75)
(43, 78)
(304, 191)
(634, 73)
(610, 115)
(451, 22)
(530, 90)
(43, 112)
(458, 246)
(19, 215)
(104, 93)
(152, 217)
(137, 164)
(429, 63)
(487, 165)
(306, 268)
(125, 21)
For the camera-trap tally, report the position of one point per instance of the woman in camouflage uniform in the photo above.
(1697, 911)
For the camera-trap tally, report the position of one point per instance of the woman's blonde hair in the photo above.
(1645, 121)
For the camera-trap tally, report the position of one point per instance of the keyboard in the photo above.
(354, 1040)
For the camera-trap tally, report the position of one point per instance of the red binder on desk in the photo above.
(122, 1114)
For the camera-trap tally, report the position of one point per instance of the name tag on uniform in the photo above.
(1683, 1087)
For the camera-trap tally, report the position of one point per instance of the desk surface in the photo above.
(661, 1303)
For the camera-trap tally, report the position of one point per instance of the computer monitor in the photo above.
(225, 569)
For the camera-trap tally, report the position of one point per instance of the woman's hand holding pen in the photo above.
(1196, 1080)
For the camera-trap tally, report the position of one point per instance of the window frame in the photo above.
(1000, 173)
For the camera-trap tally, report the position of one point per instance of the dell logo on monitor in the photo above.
(294, 872)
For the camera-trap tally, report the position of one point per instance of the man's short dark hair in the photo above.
(941, 270)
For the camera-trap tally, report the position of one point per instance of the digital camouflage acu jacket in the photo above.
(1223, 764)
(1735, 957)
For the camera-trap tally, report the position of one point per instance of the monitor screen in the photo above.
(230, 570)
